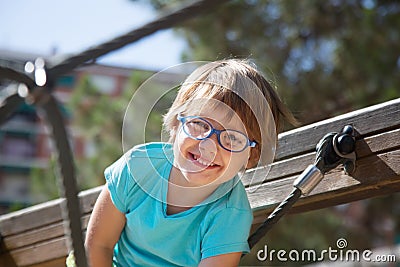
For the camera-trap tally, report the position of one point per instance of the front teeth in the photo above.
(202, 162)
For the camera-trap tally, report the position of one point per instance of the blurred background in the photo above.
(325, 57)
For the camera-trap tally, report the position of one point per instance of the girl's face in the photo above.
(202, 162)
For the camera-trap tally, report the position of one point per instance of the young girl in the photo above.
(181, 203)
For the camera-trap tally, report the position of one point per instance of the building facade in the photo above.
(25, 141)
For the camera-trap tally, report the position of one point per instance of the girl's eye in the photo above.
(232, 138)
(199, 124)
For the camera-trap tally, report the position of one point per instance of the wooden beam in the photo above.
(378, 163)
(36, 235)
(367, 121)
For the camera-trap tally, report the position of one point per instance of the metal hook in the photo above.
(332, 150)
(344, 144)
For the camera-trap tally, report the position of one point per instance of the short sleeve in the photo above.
(227, 232)
(119, 183)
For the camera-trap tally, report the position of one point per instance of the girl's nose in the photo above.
(208, 148)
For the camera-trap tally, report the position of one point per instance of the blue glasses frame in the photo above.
(183, 119)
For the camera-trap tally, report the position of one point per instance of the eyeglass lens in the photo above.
(229, 139)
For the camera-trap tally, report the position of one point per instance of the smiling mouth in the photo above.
(202, 162)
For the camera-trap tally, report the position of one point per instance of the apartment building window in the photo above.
(16, 145)
(18, 134)
(105, 84)
(14, 188)
(66, 81)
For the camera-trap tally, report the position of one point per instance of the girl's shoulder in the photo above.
(150, 150)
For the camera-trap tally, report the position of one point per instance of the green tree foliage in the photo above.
(97, 118)
(326, 57)
(43, 185)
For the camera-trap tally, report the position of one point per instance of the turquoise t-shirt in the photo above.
(138, 183)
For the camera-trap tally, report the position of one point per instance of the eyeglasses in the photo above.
(199, 128)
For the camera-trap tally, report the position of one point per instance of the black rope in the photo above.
(326, 158)
(13, 100)
(9, 106)
(332, 150)
(164, 22)
(274, 217)
(337, 148)
(16, 76)
(72, 212)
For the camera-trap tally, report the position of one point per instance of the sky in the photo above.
(68, 27)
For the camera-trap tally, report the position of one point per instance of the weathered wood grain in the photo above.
(43, 214)
(376, 175)
(60, 262)
(378, 163)
(40, 234)
(367, 121)
(42, 252)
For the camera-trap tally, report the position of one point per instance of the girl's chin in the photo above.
(205, 178)
(195, 177)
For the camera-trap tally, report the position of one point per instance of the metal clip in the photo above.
(344, 146)
(308, 179)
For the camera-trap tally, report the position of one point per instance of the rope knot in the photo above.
(335, 149)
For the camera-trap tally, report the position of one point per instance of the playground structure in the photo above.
(36, 236)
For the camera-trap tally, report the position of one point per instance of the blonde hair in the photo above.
(238, 84)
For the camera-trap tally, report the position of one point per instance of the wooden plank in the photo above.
(299, 144)
(367, 121)
(40, 234)
(278, 170)
(379, 143)
(295, 165)
(32, 217)
(43, 252)
(5, 258)
(60, 262)
(379, 175)
(275, 192)
(43, 214)
(368, 148)
(32, 237)
(29, 241)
